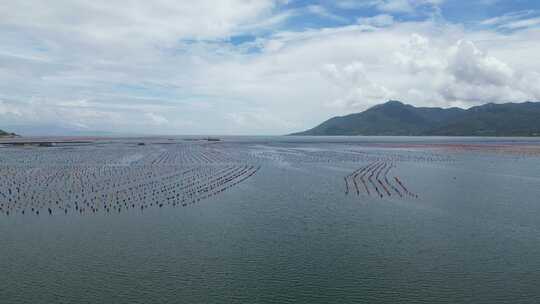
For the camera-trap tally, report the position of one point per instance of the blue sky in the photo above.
(255, 66)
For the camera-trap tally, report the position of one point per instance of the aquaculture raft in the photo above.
(374, 179)
(114, 178)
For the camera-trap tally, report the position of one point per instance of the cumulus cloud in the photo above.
(462, 73)
(359, 90)
(470, 65)
(417, 56)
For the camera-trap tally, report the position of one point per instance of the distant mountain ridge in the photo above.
(6, 134)
(395, 118)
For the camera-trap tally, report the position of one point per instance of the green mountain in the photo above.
(395, 118)
(6, 134)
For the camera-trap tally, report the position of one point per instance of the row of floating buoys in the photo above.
(405, 188)
(354, 154)
(379, 180)
(388, 182)
(167, 194)
(374, 176)
(85, 184)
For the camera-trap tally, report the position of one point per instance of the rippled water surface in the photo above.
(271, 220)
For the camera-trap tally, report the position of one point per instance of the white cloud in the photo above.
(391, 6)
(418, 56)
(470, 65)
(124, 20)
(514, 21)
(358, 90)
(377, 21)
(259, 120)
(462, 73)
(325, 13)
(141, 67)
(7, 109)
(405, 6)
(353, 4)
(509, 17)
(155, 119)
(525, 23)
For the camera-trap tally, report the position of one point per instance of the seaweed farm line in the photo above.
(92, 177)
(95, 179)
(374, 176)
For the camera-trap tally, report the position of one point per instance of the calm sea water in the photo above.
(290, 233)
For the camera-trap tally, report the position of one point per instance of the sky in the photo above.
(255, 67)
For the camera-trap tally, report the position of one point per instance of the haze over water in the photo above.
(468, 231)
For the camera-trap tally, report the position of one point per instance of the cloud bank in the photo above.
(250, 67)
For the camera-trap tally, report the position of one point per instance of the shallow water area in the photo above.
(271, 220)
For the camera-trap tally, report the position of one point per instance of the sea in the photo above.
(270, 219)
